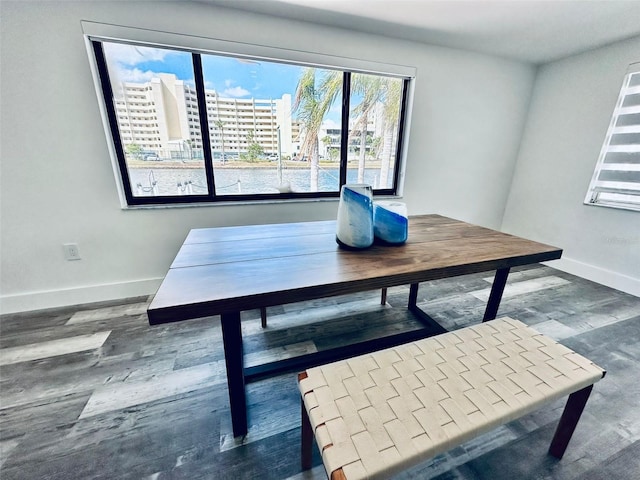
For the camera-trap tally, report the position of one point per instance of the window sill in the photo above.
(233, 203)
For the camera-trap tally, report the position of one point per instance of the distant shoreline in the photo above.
(241, 165)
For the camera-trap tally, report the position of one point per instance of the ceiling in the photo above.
(525, 30)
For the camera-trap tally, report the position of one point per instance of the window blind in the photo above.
(616, 180)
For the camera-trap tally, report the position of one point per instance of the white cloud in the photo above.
(236, 92)
(134, 75)
(330, 124)
(122, 59)
(132, 54)
(228, 83)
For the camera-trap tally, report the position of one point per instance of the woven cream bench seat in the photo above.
(377, 414)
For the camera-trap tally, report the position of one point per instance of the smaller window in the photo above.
(616, 180)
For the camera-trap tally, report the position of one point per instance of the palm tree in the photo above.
(254, 149)
(371, 88)
(391, 118)
(326, 140)
(313, 99)
(220, 124)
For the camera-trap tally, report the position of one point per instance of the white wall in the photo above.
(57, 180)
(568, 119)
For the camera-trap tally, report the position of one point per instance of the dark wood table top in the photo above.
(226, 269)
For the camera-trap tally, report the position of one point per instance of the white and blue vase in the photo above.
(355, 216)
(390, 222)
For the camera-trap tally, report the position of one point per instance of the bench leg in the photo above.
(263, 316)
(307, 439)
(568, 421)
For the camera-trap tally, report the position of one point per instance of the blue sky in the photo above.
(231, 77)
(248, 78)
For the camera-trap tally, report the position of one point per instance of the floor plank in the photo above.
(52, 348)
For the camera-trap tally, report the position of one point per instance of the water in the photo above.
(233, 181)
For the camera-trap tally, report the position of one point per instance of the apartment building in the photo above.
(161, 116)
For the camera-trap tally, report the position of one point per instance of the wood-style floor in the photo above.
(94, 392)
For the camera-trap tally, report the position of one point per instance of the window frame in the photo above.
(96, 33)
(594, 192)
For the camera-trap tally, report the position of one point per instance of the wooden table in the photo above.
(229, 269)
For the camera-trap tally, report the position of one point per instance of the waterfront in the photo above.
(233, 181)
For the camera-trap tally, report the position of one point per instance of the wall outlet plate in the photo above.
(71, 251)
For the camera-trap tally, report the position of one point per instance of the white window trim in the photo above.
(605, 194)
(102, 31)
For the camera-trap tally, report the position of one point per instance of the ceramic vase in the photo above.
(355, 216)
(390, 222)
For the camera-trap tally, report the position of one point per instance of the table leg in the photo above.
(233, 356)
(430, 324)
(413, 295)
(263, 317)
(499, 281)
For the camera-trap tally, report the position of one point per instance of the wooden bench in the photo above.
(377, 414)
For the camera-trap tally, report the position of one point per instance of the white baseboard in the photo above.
(31, 301)
(599, 275)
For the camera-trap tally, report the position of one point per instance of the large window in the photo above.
(188, 124)
(616, 180)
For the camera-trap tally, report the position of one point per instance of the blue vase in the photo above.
(390, 222)
(355, 217)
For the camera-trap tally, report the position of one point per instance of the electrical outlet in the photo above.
(71, 251)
